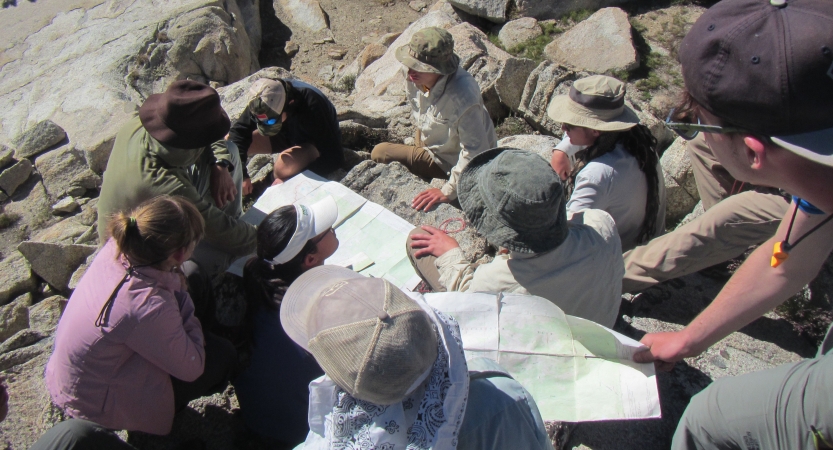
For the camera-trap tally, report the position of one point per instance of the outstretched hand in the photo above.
(428, 198)
(664, 349)
(222, 186)
(434, 243)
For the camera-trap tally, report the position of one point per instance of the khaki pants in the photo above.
(771, 409)
(425, 266)
(417, 159)
(727, 228)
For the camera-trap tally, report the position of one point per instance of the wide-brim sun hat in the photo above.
(430, 50)
(596, 102)
(514, 199)
(187, 115)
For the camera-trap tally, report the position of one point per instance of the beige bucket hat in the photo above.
(430, 50)
(596, 102)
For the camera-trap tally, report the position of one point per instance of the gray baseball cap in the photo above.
(514, 199)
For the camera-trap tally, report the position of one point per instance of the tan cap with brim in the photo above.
(596, 102)
(430, 50)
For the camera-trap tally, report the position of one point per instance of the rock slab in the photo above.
(680, 187)
(13, 318)
(492, 10)
(15, 277)
(518, 31)
(600, 44)
(55, 263)
(43, 135)
(305, 13)
(14, 176)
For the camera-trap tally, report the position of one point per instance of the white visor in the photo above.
(310, 222)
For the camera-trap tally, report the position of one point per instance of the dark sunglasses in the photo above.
(689, 131)
(270, 121)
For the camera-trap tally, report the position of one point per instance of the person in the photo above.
(516, 201)
(78, 434)
(452, 123)
(128, 350)
(272, 390)
(175, 147)
(618, 171)
(395, 372)
(293, 119)
(759, 82)
(737, 215)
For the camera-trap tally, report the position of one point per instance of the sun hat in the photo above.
(596, 102)
(310, 221)
(514, 199)
(187, 115)
(267, 97)
(767, 66)
(430, 50)
(371, 339)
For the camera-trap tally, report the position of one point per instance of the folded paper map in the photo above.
(371, 238)
(575, 369)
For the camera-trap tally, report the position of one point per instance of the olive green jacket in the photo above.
(141, 168)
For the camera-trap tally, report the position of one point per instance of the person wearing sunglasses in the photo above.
(294, 120)
(759, 82)
(617, 169)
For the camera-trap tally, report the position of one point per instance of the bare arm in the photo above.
(753, 290)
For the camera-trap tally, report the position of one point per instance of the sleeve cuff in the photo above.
(449, 191)
(450, 257)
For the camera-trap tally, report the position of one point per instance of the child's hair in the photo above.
(640, 143)
(155, 229)
(266, 282)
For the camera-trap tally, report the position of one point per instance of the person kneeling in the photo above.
(514, 199)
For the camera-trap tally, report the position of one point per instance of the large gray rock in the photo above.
(394, 187)
(13, 318)
(14, 176)
(43, 135)
(306, 14)
(22, 338)
(66, 231)
(55, 263)
(346, 79)
(511, 80)
(20, 356)
(553, 9)
(63, 172)
(518, 31)
(536, 143)
(6, 156)
(44, 315)
(15, 277)
(493, 10)
(87, 64)
(98, 154)
(545, 82)
(82, 269)
(599, 44)
(680, 188)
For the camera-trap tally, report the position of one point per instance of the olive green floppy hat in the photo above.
(596, 102)
(430, 50)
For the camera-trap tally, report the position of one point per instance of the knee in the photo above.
(378, 154)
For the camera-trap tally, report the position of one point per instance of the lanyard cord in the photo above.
(104, 314)
(786, 245)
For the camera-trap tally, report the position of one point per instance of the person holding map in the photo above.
(294, 120)
(452, 123)
(272, 390)
(514, 199)
(395, 372)
(759, 84)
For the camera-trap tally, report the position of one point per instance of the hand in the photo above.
(277, 182)
(665, 349)
(435, 243)
(428, 198)
(560, 163)
(247, 186)
(222, 186)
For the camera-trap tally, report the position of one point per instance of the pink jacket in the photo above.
(119, 375)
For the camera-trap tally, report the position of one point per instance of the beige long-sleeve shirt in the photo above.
(583, 275)
(453, 123)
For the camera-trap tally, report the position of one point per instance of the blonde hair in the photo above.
(155, 229)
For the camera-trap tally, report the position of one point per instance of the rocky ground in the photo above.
(73, 71)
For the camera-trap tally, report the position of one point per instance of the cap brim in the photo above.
(562, 110)
(303, 295)
(325, 214)
(816, 146)
(403, 56)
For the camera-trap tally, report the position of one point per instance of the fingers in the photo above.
(423, 252)
(431, 203)
(420, 240)
(277, 182)
(644, 356)
(664, 366)
(430, 229)
(421, 205)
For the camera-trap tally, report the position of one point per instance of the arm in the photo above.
(241, 134)
(752, 291)
(222, 185)
(591, 189)
(170, 338)
(456, 272)
(477, 134)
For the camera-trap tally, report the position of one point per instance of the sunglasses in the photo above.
(321, 236)
(269, 121)
(689, 131)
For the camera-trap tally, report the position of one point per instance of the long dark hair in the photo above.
(265, 282)
(640, 143)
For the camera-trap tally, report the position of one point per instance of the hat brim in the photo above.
(446, 68)
(325, 214)
(303, 295)
(817, 146)
(563, 109)
(213, 130)
(488, 222)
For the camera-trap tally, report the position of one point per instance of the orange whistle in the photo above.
(779, 254)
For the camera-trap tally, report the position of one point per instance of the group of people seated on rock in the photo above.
(339, 360)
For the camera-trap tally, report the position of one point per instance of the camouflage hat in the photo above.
(267, 97)
(430, 50)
